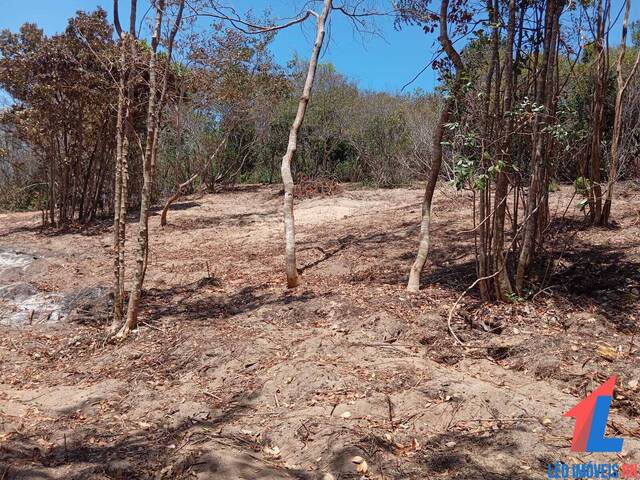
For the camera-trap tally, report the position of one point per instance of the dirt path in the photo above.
(232, 377)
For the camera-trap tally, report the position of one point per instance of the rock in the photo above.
(12, 263)
(17, 292)
(26, 309)
(87, 304)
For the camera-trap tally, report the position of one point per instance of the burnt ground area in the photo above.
(232, 376)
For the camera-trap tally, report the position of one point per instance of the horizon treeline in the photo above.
(228, 109)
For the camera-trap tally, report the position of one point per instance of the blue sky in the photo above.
(375, 63)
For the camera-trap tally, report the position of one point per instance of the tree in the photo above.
(623, 85)
(128, 57)
(293, 279)
(60, 87)
(436, 149)
(506, 131)
(156, 98)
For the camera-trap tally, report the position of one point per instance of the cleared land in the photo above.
(231, 376)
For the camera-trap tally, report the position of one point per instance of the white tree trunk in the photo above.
(619, 107)
(293, 279)
(425, 225)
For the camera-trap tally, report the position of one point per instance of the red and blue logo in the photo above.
(591, 416)
(589, 435)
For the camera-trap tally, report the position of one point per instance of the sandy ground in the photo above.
(231, 376)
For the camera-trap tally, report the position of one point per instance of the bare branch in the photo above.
(245, 26)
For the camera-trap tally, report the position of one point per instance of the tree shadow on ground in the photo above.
(449, 265)
(95, 227)
(603, 277)
(233, 220)
(141, 453)
(471, 457)
(341, 244)
(386, 255)
(177, 206)
(196, 303)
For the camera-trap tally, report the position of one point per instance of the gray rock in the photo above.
(17, 292)
(92, 303)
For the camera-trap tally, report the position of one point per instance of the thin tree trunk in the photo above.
(95, 198)
(502, 283)
(124, 202)
(425, 225)
(154, 114)
(537, 174)
(293, 279)
(597, 117)
(143, 225)
(121, 190)
(413, 284)
(617, 123)
(120, 133)
(181, 187)
(52, 194)
(158, 118)
(484, 255)
(173, 198)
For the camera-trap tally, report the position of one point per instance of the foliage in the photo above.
(61, 91)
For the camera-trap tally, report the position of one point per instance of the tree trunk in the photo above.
(413, 284)
(158, 118)
(293, 279)
(619, 107)
(502, 283)
(120, 200)
(425, 225)
(120, 192)
(597, 117)
(52, 194)
(143, 225)
(173, 198)
(117, 192)
(538, 162)
(181, 187)
(154, 113)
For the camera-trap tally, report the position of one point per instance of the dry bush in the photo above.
(319, 187)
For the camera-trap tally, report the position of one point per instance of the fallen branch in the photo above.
(173, 198)
(488, 277)
(182, 186)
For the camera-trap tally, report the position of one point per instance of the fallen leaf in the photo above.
(361, 463)
(407, 450)
(272, 451)
(608, 353)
